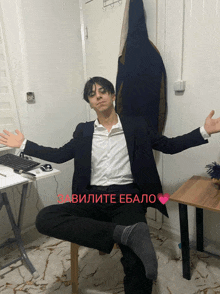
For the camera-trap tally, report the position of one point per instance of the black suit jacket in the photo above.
(141, 139)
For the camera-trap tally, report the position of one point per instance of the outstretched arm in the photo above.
(180, 143)
(11, 140)
(57, 155)
(212, 125)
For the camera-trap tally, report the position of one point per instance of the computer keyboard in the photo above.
(17, 162)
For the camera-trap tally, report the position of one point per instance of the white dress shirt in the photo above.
(110, 160)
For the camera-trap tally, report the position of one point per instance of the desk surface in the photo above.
(200, 192)
(13, 179)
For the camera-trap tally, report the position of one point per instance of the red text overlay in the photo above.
(106, 198)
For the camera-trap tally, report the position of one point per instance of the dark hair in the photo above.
(106, 84)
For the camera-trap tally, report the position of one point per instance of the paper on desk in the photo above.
(10, 181)
(11, 178)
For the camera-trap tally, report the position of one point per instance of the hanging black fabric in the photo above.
(141, 77)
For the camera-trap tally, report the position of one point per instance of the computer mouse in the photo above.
(46, 167)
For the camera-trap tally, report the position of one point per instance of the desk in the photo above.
(10, 181)
(202, 193)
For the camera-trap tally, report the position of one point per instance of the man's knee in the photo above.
(43, 219)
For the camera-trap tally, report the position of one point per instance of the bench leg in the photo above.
(184, 231)
(74, 267)
(199, 229)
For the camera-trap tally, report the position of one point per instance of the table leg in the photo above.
(17, 231)
(184, 231)
(22, 204)
(199, 229)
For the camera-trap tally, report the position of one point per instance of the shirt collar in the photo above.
(118, 125)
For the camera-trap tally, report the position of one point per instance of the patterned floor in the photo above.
(103, 274)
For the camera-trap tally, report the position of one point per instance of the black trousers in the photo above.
(92, 225)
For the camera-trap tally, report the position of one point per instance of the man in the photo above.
(113, 156)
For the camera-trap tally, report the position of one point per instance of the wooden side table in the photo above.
(202, 193)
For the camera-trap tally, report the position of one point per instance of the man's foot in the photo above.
(137, 237)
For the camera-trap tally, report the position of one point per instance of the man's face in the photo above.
(100, 100)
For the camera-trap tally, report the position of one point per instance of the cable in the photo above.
(38, 209)
(183, 39)
(57, 185)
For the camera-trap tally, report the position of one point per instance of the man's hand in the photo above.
(11, 140)
(212, 125)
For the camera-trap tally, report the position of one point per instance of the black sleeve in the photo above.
(176, 144)
(57, 155)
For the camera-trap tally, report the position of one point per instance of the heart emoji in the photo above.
(163, 198)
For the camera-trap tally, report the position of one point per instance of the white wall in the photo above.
(43, 41)
(190, 48)
(201, 71)
(44, 45)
